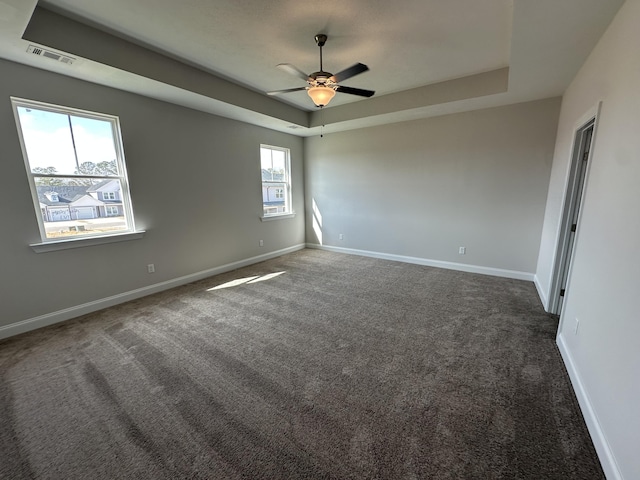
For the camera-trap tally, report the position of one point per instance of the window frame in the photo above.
(72, 241)
(287, 193)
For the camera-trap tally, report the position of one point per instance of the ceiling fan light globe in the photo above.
(321, 95)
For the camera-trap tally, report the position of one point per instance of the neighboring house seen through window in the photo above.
(276, 181)
(75, 163)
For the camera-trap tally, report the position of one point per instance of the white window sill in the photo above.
(55, 245)
(277, 216)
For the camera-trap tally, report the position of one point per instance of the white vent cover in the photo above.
(58, 57)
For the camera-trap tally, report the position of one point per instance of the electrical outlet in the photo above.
(151, 268)
(341, 236)
(462, 250)
(261, 243)
(575, 330)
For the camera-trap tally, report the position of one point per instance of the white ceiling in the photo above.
(408, 45)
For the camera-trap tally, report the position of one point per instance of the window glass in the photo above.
(94, 145)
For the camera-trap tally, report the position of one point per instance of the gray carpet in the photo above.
(315, 366)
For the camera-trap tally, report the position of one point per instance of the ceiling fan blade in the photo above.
(349, 72)
(293, 70)
(355, 91)
(287, 90)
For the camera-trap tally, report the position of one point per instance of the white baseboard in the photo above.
(463, 267)
(607, 460)
(72, 312)
(541, 293)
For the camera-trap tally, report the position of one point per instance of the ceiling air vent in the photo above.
(58, 57)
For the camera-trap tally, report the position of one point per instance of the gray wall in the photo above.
(196, 189)
(603, 357)
(424, 188)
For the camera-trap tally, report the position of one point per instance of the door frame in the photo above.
(574, 194)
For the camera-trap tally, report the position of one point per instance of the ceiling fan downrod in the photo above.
(321, 39)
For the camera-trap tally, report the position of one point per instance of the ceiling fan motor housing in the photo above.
(322, 78)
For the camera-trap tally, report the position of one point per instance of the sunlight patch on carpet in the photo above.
(242, 281)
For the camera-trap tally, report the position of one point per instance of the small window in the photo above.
(276, 181)
(112, 211)
(74, 160)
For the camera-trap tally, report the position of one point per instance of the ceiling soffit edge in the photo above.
(56, 31)
(464, 88)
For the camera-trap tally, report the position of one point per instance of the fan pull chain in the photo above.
(321, 121)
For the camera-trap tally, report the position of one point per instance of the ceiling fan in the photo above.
(322, 86)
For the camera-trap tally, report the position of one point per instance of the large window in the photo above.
(75, 163)
(276, 181)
